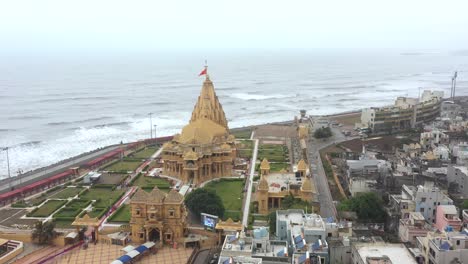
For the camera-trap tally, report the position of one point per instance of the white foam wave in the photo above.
(249, 96)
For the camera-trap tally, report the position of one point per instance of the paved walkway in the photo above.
(245, 214)
(327, 206)
(54, 169)
(103, 253)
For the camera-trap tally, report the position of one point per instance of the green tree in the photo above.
(272, 222)
(44, 233)
(368, 206)
(323, 132)
(205, 201)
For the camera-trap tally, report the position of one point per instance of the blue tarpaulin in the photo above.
(125, 258)
(141, 249)
(298, 239)
(302, 258)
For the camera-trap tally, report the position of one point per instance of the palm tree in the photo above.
(44, 233)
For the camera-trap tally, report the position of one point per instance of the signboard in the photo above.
(209, 221)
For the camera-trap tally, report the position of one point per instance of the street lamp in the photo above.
(151, 125)
(8, 164)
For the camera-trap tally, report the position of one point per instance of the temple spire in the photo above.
(208, 105)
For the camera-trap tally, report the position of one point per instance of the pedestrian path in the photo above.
(249, 182)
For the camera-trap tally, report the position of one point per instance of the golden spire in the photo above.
(208, 105)
(265, 165)
(308, 185)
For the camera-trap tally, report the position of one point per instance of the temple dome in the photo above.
(201, 131)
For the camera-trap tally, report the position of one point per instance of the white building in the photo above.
(424, 199)
(380, 252)
(461, 153)
(444, 248)
(406, 113)
(442, 152)
(432, 139)
(306, 233)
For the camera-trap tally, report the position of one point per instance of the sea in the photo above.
(56, 106)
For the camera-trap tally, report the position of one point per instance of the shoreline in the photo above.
(74, 161)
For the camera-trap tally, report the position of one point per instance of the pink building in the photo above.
(447, 215)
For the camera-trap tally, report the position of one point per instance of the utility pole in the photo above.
(8, 165)
(151, 125)
(155, 131)
(454, 84)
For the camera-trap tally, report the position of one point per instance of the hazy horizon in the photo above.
(90, 27)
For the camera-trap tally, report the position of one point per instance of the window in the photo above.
(153, 216)
(141, 235)
(168, 236)
(138, 211)
(458, 242)
(171, 212)
(423, 199)
(421, 210)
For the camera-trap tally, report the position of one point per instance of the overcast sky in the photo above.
(94, 25)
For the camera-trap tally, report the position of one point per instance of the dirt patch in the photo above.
(347, 119)
(111, 178)
(275, 131)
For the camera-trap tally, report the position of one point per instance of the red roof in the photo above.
(35, 185)
(103, 158)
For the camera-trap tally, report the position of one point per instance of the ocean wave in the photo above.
(6, 129)
(258, 97)
(30, 143)
(58, 123)
(26, 117)
(112, 124)
(85, 98)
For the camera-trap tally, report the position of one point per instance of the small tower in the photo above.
(302, 168)
(265, 167)
(262, 195)
(307, 190)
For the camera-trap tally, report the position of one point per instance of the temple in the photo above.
(204, 150)
(157, 216)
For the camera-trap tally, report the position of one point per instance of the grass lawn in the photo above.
(245, 148)
(150, 182)
(145, 153)
(244, 133)
(230, 192)
(103, 196)
(98, 212)
(47, 208)
(63, 223)
(124, 166)
(121, 215)
(274, 167)
(67, 192)
(68, 212)
(245, 153)
(79, 203)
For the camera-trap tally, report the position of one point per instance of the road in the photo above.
(245, 214)
(35, 176)
(327, 206)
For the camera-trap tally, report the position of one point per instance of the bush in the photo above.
(19, 204)
(324, 132)
(368, 206)
(204, 201)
